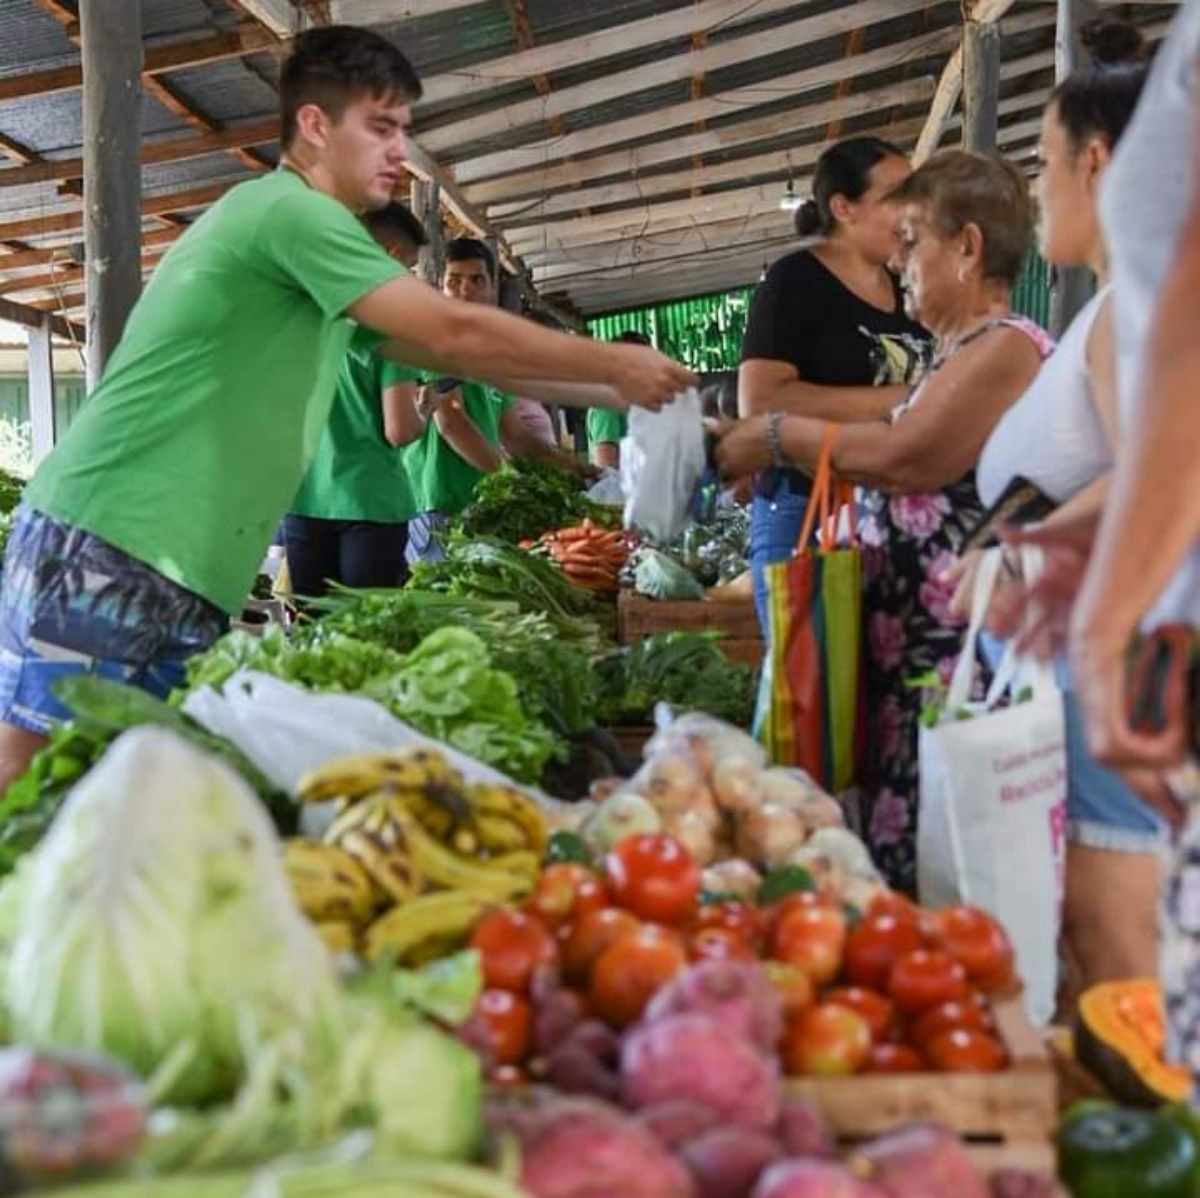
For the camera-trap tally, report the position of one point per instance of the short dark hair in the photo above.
(396, 218)
(464, 249)
(1100, 100)
(958, 189)
(335, 65)
(843, 169)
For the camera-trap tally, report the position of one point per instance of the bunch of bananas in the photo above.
(414, 856)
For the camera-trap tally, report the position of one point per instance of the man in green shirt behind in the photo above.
(143, 530)
(606, 427)
(349, 522)
(474, 426)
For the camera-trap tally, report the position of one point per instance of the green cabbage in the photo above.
(157, 913)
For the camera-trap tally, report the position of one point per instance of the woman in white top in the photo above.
(1060, 436)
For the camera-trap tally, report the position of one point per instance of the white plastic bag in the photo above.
(992, 821)
(607, 489)
(287, 731)
(662, 460)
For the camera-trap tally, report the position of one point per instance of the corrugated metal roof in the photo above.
(749, 109)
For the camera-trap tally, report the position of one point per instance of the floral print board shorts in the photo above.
(72, 603)
(1179, 961)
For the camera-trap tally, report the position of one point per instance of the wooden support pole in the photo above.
(981, 86)
(111, 37)
(40, 368)
(435, 230)
(1073, 286)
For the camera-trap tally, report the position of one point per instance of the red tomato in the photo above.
(878, 1011)
(772, 916)
(511, 946)
(873, 947)
(740, 918)
(968, 1014)
(894, 1058)
(584, 941)
(892, 902)
(565, 892)
(826, 1041)
(978, 943)
(965, 1051)
(655, 877)
(632, 970)
(922, 979)
(812, 939)
(720, 944)
(792, 985)
(508, 1022)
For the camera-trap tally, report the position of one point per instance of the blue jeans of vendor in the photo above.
(776, 520)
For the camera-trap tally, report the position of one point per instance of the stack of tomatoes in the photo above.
(891, 989)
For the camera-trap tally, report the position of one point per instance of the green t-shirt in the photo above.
(445, 481)
(605, 424)
(194, 443)
(357, 474)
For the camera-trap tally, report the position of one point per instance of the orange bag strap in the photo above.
(818, 500)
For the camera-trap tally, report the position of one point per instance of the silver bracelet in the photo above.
(775, 440)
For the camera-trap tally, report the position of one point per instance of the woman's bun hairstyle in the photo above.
(808, 219)
(1112, 43)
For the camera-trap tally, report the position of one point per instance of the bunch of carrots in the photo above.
(589, 556)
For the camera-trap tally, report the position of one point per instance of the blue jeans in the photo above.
(775, 525)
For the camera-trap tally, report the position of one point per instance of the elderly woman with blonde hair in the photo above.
(967, 225)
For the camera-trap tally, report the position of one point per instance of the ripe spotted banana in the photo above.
(410, 931)
(392, 868)
(329, 883)
(359, 774)
(442, 867)
(501, 802)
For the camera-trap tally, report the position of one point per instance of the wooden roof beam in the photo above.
(31, 317)
(55, 278)
(23, 259)
(777, 162)
(176, 149)
(249, 39)
(71, 222)
(672, 68)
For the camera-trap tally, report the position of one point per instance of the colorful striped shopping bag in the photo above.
(810, 710)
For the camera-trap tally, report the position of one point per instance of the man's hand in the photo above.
(644, 378)
(429, 399)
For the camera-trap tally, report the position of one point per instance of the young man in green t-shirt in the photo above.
(474, 428)
(145, 527)
(349, 521)
(606, 427)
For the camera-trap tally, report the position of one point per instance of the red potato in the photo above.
(802, 1130)
(693, 1057)
(1019, 1183)
(727, 1161)
(813, 1179)
(921, 1159)
(585, 1062)
(579, 1147)
(673, 1124)
(739, 995)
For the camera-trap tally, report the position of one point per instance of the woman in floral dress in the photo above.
(967, 226)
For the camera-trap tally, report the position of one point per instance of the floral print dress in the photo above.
(908, 541)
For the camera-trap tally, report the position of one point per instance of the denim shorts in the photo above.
(1103, 810)
(74, 604)
(776, 522)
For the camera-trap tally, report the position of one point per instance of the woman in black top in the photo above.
(828, 336)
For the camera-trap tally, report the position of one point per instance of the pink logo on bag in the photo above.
(1058, 839)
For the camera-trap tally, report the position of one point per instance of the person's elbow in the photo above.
(398, 436)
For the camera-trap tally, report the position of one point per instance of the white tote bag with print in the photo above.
(992, 821)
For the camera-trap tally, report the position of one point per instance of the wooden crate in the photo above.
(1008, 1118)
(736, 621)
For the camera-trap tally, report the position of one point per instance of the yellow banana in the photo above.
(522, 862)
(371, 814)
(409, 931)
(339, 937)
(394, 870)
(498, 834)
(506, 803)
(329, 884)
(441, 866)
(359, 774)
